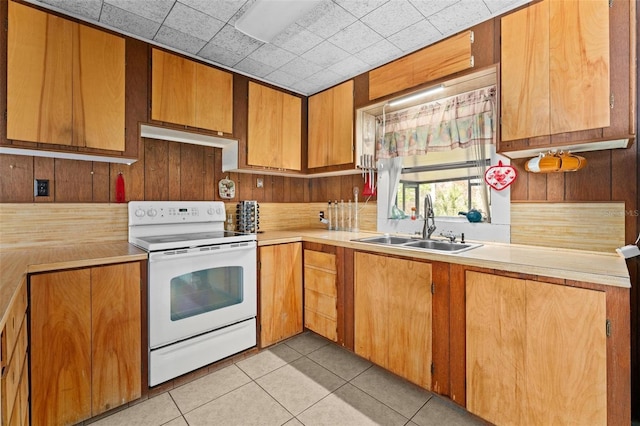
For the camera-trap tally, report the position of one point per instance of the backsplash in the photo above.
(581, 226)
(37, 225)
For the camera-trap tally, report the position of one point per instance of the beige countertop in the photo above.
(578, 265)
(16, 264)
(598, 268)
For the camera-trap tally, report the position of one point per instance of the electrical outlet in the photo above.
(259, 183)
(41, 187)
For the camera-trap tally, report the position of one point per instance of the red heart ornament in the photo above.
(499, 177)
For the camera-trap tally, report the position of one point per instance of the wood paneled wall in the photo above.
(165, 171)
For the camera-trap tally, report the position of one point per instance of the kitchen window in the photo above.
(439, 145)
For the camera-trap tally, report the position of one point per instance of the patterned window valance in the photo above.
(456, 122)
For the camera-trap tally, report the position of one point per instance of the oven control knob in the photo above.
(219, 210)
(139, 213)
(152, 212)
(210, 211)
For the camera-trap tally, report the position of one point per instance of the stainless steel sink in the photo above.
(439, 245)
(412, 243)
(385, 239)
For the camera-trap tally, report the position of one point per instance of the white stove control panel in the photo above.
(168, 212)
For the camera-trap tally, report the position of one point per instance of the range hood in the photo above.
(229, 146)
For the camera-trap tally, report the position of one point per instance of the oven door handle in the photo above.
(200, 251)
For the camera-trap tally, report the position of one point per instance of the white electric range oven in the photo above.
(202, 284)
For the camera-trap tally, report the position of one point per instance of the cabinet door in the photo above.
(341, 151)
(115, 331)
(214, 99)
(98, 89)
(280, 292)
(371, 273)
(579, 65)
(566, 355)
(331, 127)
(60, 347)
(264, 127)
(291, 123)
(409, 321)
(274, 128)
(524, 70)
(39, 76)
(495, 323)
(173, 88)
(320, 132)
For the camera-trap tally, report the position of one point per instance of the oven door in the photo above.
(193, 291)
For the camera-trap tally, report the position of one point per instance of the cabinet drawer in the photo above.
(320, 324)
(12, 375)
(326, 261)
(23, 394)
(321, 303)
(14, 322)
(320, 281)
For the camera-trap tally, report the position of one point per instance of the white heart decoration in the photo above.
(499, 177)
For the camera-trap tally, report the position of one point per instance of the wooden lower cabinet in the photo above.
(280, 272)
(14, 390)
(536, 353)
(85, 342)
(392, 304)
(321, 293)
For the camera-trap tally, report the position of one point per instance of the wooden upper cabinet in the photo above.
(274, 129)
(330, 140)
(65, 82)
(555, 69)
(191, 94)
(98, 89)
(431, 63)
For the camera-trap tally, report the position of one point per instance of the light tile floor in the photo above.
(306, 380)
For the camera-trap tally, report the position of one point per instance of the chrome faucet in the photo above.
(429, 216)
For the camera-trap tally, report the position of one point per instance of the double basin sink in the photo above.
(424, 244)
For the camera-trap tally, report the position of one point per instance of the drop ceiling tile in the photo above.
(249, 66)
(355, 37)
(392, 17)
(88, 9)
(221, 10)
(272, 56)
(462, 14)
(359, 8)
(296, 39)
(349, 67)
(418, 35)
(220, 55)
(325, 54)
(324, 79)
(154, 10)
(282, 78)
(178, 40)
(301, 68)
(128, 22)
(380, 53)
(327, 19)
(430, 7)
(190, 21)
(304, 86)
(235, 41)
